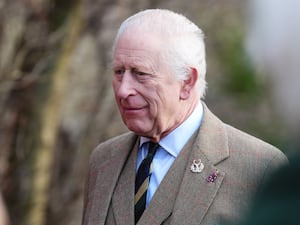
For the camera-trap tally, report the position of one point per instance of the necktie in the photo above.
(142, 181)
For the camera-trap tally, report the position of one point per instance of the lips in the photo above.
(132, 111)
(131, 108)
(127, 105)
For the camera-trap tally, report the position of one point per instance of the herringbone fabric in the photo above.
(142, 181)
(183, 197)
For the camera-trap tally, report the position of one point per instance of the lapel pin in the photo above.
(212, 178)
(197, 166)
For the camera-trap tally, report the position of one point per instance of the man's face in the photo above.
(147, 94)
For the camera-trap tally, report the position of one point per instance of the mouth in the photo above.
(133, 111)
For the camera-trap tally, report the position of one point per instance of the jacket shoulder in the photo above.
(113, 146)
(247, 148)
(246, 141)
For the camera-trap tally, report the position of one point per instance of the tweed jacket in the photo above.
(184, 197)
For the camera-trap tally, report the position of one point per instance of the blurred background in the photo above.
(56, 101)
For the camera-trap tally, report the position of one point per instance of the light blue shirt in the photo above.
(170, 147)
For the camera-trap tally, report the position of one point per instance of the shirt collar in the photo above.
(176, 140)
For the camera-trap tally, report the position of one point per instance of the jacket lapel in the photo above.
(162, 203)
(196, 194)
(123, 198)
(104, 173)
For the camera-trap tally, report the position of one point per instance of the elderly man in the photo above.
(180, 164)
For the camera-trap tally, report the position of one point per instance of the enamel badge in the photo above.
(197, 166)
(212, 178)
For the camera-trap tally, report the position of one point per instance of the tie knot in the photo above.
(152, 149)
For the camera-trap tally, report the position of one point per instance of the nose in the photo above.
(125, 87)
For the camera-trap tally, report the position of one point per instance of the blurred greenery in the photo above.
(242, 79)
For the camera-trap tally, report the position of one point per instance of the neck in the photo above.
(190, 107)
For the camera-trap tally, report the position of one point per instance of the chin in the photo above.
(140, 126)
(138, 130)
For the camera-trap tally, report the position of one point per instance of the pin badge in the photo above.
(212, 178)
(197, 166)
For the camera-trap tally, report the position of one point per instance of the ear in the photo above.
(189, 84)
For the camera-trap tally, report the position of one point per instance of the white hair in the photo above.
(184, 49)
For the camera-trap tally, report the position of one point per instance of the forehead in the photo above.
(137, 49)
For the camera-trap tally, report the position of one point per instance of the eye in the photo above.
(139, 73)
(119, 71)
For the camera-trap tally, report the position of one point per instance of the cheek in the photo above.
(115, 85)
(158, 108)
(168, 104)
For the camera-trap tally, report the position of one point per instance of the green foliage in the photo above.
(241, 78)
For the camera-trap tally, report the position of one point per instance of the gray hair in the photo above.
(185, 47)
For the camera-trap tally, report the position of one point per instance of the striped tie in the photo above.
(142, 181)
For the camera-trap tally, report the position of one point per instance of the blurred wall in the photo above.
(272, 42)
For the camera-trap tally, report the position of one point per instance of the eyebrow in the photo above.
(135, 66)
